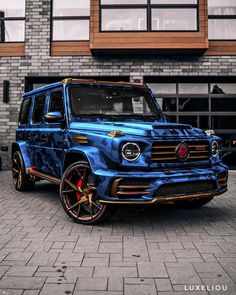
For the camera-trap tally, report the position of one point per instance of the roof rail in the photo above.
(92, 81)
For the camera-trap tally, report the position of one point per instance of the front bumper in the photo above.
(166, 185)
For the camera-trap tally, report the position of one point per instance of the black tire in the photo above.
(21, 180)
(78, 176)
(193, 204)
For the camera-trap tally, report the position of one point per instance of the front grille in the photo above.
(185, 188)
(130, 188)
(165, 152)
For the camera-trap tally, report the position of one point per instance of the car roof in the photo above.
(84, 82)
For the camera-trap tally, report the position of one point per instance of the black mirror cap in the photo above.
(54, 117)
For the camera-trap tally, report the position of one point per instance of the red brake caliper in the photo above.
(79, 185)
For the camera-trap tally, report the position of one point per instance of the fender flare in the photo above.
(21, 146)
(92, 154)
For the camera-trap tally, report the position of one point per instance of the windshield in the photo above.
(112, 101)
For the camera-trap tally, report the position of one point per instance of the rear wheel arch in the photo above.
(15, 147)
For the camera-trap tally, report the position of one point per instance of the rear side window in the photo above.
(56, 102)
(25, 110)
(39, 109)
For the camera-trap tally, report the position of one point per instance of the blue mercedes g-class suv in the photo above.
(108, 143)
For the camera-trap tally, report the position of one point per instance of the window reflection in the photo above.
(71, 30)
(224, 122)
(219, 7)
(193, 104)
(12, 20)
(223, 88)
(222, 19)
(224, 29)
(12, 8)
(14, 31)
(71, 20)
(71, 8)
(124, 20)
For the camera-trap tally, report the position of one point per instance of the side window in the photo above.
(25, 110)
(56, 102)
(39, 109)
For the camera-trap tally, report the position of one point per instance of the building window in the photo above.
(149, 15)
(70, 20)
(12, 20)
(206, 105)
(222, 19)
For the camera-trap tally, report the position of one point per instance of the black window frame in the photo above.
(148, 8)
(221, 17)
(209, 96)
(53, 18)
(27, 116)
(43, 112)
(2, 26)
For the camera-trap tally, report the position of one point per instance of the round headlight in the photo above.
(130, 151)
(214, 149)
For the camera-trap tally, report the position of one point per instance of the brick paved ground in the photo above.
(140, 251)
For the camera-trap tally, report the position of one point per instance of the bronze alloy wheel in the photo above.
(21, 180)
(79, 197)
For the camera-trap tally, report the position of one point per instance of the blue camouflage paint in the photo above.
(103, 152)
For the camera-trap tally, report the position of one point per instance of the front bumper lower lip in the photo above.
(163, 199)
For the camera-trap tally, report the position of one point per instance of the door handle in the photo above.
(43, 139)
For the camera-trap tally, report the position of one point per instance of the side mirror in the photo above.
(54, 117)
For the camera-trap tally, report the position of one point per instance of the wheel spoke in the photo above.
(15, 170)
(78, 212)
(96, 205)
(75, 205)
(75, 188)
(85, 170)
(78, 173)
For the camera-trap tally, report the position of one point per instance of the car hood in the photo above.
(153, 129)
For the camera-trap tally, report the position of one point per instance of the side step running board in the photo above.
(44, 176)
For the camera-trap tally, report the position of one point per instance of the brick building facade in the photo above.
(37, 66)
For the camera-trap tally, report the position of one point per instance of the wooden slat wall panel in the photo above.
(70, 48)
(149, 40)
(221, 48)
(12, 49)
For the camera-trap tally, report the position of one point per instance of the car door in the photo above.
(52, 136)
(33, 132)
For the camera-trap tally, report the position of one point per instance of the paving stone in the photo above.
(110, 248)
(140, 290)
(183, 275)
(21, 283)
(3, 270)
(93, 261)
(21, 271)
(72, 273)
(31, 292)
(163, 285)
(113, 271)
(115, 284)
(79, 292)
(11, 292)
(58, 289)
(90, 284)
(152, 269)
(43, 259)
